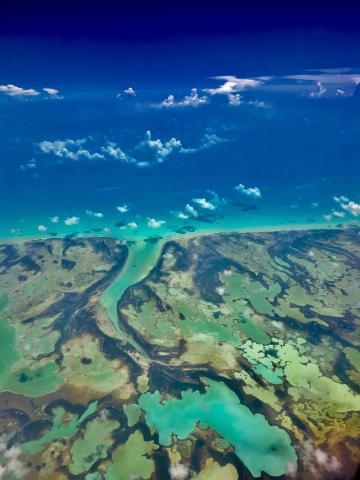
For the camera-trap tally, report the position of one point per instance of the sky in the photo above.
(171, 106)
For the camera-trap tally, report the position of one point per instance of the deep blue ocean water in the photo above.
(297, 140)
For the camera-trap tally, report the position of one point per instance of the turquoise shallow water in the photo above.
(260, 446)
(141, 259)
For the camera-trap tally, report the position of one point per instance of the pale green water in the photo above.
(141, 260)
(59, 429)
(259, 445)
(33, 382)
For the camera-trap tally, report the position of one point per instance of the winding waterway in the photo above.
(142, 258)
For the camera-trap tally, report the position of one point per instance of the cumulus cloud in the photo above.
(12, 463)
(72, 221)
(191, 210)
(122, 208)
(349, 205)
(314, 459)
(341, 199)
(277, 324)
(69, 149)
(169, 101)
(182, 215)
(253, 192)
(14, 91)
(51, 91)
(178, 471)
(159, 149)
(149, 149)
(90, 213)
(116, 153)
(352, 207)
(152, 223)
(209, 140)
(235, 99)
(203, 203)
(320, 90)
(192, 100)
(42, 228)
(30, 165)
(132, 225)
(258, 104)
(330, 81)
(232, 84)
(130, 92)
(54, 219)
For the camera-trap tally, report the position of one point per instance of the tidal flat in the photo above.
(228, 355)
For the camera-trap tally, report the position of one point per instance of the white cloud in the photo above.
(68, 148)
(179, 471)
(191, 210)
(352, 207)
(13, 91)
(327, 77)
(152, 223)
(132, 225)
(192, 100)
(209, 140)
(340, 92)
(117, 153)
(130, 92)
(258, 104)
(235, 99)
(13, 464)
(182, 215)
(122, 208)
(51, 91)
(317, 461)
(253, 192)
(233, 84)
(335, 213)
(72, 220)
(42, 228)
(159, 149)
(220, 290)
(204, 203)
(169, 101)
(277, 324)
(30, 165)
(156, 149)
(90, 213)
(54, 219)
(320, 90)
(341, 199)
(291, 469)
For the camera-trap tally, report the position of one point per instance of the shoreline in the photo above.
(191, 235)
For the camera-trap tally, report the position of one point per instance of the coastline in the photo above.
(189, 235)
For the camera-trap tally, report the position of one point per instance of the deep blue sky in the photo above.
(152, 42)
(145, 20)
